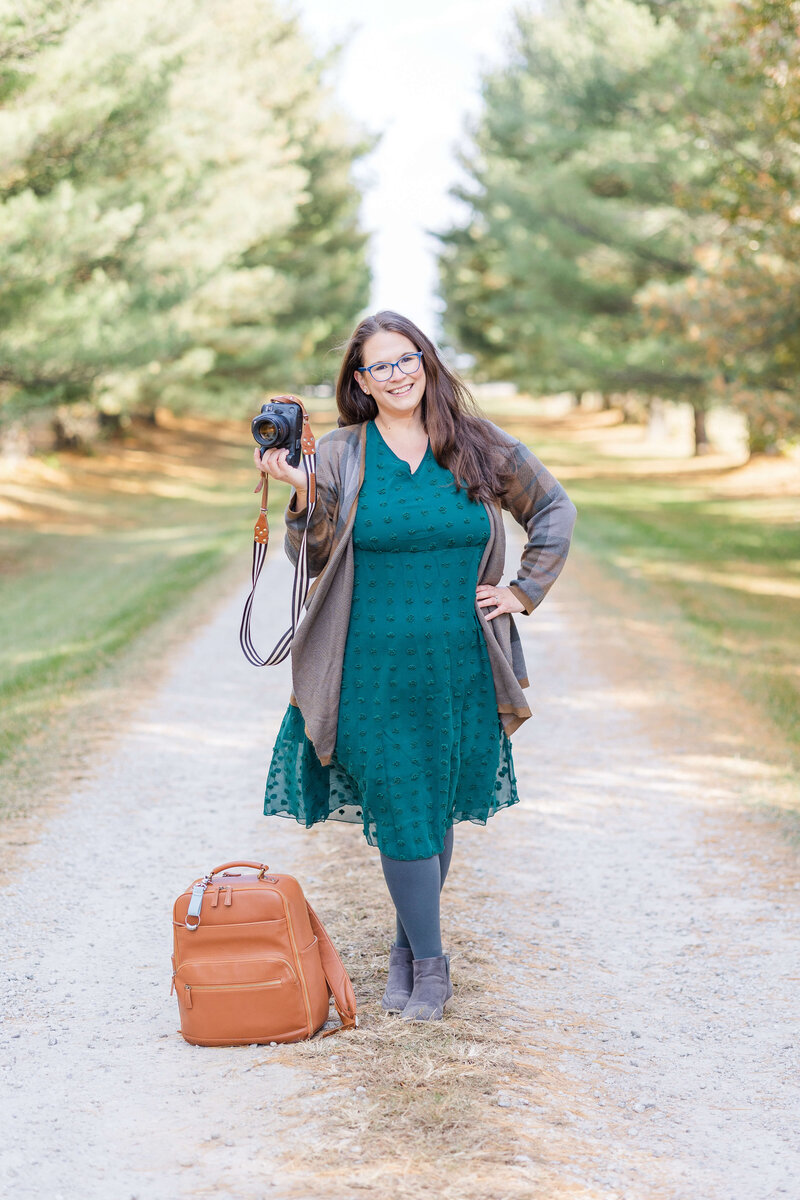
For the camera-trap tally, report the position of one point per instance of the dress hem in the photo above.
(333, 816)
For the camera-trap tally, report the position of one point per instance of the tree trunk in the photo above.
(762, 436)
(634, 410)
(76, 426)
(113, 425)
(701, 443)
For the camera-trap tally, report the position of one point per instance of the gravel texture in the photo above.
(650, 939)
(101, 1097)
(642, 898)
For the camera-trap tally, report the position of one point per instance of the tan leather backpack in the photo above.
(253, 962)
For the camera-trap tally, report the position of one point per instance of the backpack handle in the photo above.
(192, 920)
(225, 866)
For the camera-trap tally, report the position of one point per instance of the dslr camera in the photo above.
(279, 424)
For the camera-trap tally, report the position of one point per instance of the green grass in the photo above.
(105, 548)
(730, 565)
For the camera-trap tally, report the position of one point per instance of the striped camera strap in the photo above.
(260, 543)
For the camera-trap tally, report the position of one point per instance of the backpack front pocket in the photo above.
(238, 1001)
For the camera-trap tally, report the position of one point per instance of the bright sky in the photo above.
(411, 72)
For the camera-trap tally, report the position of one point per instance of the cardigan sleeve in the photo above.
(321, 528)
(538, 502)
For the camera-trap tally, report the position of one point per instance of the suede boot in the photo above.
(432, 989)
(400, 981)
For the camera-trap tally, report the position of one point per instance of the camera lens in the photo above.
(272, 431)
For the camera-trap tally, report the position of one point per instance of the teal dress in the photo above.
(420, 744)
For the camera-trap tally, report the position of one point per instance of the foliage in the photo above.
(631, 216)
(740, 306)
(570, 213)
(168, 176)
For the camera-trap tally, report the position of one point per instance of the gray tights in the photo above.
(414, 886)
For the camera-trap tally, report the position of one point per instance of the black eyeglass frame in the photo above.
(411, 354)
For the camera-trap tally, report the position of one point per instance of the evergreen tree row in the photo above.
(178, 216)
(631, 208)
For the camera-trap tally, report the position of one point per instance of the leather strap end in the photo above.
(261, 530)
(349, 1020)
(307, 439)
(261, 527)
(350, 1023)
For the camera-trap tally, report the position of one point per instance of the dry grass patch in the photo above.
(454, 1107)
(708, 544)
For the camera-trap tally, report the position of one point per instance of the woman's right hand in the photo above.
(274, 463)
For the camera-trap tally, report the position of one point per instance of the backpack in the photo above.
(253, 962)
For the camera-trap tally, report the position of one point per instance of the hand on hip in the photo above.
(501, 598)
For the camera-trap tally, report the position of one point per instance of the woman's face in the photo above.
(402, 394)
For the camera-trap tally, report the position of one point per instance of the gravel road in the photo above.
(657, 903)
(642, 898)
(101, 1097)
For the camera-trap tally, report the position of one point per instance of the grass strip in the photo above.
(96, 549)
(711, 546)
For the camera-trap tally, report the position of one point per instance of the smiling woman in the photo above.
(407, 668)
(397, 398)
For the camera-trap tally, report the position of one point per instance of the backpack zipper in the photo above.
(188, 988)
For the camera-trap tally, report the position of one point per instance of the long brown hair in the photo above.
(460, 438)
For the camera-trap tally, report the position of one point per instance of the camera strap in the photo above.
(308, 446)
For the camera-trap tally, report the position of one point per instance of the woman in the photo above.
(407, 669)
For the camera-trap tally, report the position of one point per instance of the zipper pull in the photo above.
(228, 896)
(215, 901)
(187, 987)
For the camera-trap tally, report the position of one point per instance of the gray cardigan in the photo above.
(533, 497)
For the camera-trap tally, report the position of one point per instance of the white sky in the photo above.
(410, 71)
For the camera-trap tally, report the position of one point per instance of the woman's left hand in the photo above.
(488, 594)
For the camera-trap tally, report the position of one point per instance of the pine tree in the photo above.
(151, 161)
(571, 213)
(739, 307)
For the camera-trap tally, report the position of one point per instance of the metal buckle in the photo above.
(196, 902)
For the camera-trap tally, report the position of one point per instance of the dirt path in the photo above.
(102, 1097)
(628, 933)
(660, 902)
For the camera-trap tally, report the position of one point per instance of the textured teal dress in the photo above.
(420, 744)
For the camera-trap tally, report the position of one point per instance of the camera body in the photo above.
(279, 424)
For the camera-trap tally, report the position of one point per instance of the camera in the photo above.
(279, 424)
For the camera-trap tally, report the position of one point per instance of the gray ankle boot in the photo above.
(432, 989)
(400, 981)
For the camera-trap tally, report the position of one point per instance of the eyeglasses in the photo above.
(406, 365)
